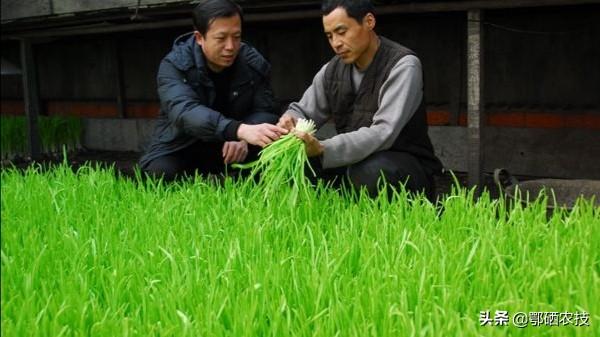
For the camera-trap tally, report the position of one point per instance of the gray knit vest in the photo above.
(352, 111)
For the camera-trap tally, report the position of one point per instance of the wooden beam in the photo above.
(475, 84)
(456, 93)
(31, 98)
(119, 79)
(455, 6)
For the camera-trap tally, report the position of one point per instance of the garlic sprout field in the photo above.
(56, 133)
(88, 253)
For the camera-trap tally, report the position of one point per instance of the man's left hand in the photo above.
(311, 144)
(235, 152)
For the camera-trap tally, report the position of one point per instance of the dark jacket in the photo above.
(187, 94)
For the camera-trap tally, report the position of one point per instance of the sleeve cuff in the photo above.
(230, 132)
(294, 114)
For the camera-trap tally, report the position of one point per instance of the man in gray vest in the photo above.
(373, 91)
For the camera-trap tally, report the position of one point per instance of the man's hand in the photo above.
(311, 144)
(235, 152)
(260, 134)
(287, 122)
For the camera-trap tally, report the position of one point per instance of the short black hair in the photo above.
(208, 10)
(356, 9)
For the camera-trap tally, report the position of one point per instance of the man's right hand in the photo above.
(260, 134)
(287, 122)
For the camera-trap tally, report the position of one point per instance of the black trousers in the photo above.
(202, 157)
(394, 167)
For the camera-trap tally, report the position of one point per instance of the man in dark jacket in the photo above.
(216, 100)
(373, 91)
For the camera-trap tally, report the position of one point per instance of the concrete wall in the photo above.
(564, 153)
(15, 9)
(21, 9)
(117, 134)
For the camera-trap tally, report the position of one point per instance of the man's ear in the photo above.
(199, 37)
(369, 20)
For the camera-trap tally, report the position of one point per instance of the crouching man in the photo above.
(372, 89)
(216, 99)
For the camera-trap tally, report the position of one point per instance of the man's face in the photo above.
(222, 42)
(348, 38)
